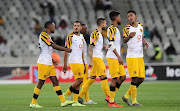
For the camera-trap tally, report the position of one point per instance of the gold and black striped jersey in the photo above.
(94, 37)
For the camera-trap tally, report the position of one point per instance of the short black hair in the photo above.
(100, 20)
(83, 24)
(113, 14)
(78, 22)
(131, 11)
(47, 24)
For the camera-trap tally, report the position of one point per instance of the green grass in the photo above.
(155, 96)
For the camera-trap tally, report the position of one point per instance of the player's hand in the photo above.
(65, 68)
(54, 62)
(68, 50)
(91, 64)
(147, 45)
(120, 61)
(132, 34)
(105, 47)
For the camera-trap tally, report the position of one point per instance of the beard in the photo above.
(52, 31)
(119, 23)
(76, 32)
(103, 28)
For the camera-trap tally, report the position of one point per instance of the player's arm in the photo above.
(131, 35)
(145, 43)
(126, 34)
(111, 35)
(65, 61)
(83, 61)
(67, 45)
(57, 47)
(90, 55)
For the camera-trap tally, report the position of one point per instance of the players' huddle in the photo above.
(76, 46)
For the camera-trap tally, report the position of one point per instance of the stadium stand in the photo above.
(18, 16)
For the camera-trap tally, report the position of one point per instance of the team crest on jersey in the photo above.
(44, 76)
(79, 73)
(141, 30)
(134, 72)
(48, 39)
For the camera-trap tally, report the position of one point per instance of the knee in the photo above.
(80, 80)
(142, 80)
(134, 79)
(123, 78)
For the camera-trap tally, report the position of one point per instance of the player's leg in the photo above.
(85, 88)
(58, 91)
(43, 71)
(37, 90)
(141, 76)
(114, 72)
(76, 85)
(101, 72)
(76, 69)
(122, 77)
(139, 82)
(133, 72)
(85, 78)
(105, 87)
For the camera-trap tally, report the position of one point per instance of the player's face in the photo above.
(84, 30)
(104, 25)
(77, 27)
(118, 19)
(52, 28)
(131, 17)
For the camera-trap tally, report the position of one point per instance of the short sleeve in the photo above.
(94, 37)
(126, 32)
(45, 38)
(111, 33)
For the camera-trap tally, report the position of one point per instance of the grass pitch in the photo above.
(155, 96)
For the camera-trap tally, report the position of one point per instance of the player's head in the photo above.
(50, 26)
(84, 29)
(102, 23)
(115, 16)
(131, 15)
(77, 27)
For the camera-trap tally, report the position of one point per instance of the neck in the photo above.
(134, 24)
(115, 23)
(99, 28)
(77, 33)
(48, 31)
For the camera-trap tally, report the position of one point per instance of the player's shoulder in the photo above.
(44, 33)
(95, 31)
(71, 34)
(112, 27)
(140, 24)
(127, 26)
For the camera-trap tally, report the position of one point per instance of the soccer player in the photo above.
(96, 60)
(114, 60)
(134, 37)
(45, 65)
(84, 31)
(75, 41)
